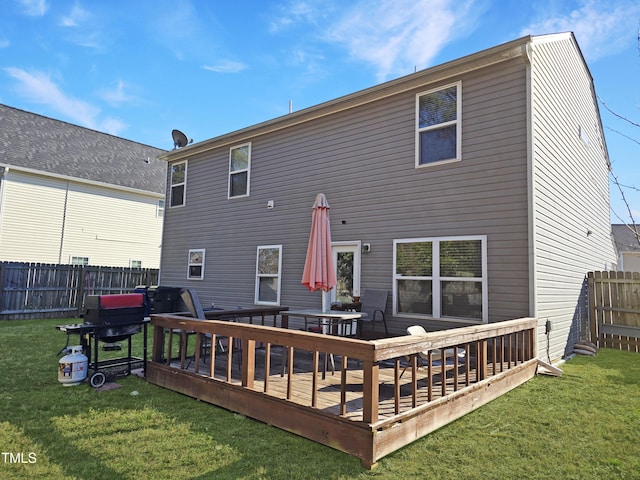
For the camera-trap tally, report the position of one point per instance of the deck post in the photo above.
(248, 363)
(483, 367)
(370, 390)
(158, 344)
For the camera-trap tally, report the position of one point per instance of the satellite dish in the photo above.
(179, 139)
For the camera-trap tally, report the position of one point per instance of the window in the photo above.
(80, 261)
(441, 278)
(195, 269)
(135, 263)
(160, 209)
(268, 267)
(178, 184)
(438, 125)
(239, 167)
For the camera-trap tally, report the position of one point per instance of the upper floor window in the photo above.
(441, 278)
(268, 271)
(239, 169)
(178, 184)
(438, 125)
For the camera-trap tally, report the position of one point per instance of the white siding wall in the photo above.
(570, 189)
(32, 216)
(111, 227)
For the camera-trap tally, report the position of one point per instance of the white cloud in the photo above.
(76, 17)
(296, 12)
(39, 88)
(35, 8)
(118, 95)
(226, 66)
(601, 28)
(397, 36)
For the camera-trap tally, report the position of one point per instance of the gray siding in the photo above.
(570, 188)
(363, 160)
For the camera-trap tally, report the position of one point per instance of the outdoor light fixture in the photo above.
(366, 247)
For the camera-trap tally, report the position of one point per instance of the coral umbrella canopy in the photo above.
(319, 273)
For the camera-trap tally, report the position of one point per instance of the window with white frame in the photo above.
(268, 270)
(135, 263)
(79, 260)
(178, 184)
(444, 278)
(195, 268)
(239, 170)
(438, 125)
(160, 209)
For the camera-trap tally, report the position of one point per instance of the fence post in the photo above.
(80, 290)
(2, 283)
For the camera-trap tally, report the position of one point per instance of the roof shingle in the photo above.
(32, 141)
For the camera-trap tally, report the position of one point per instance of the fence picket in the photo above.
(614, 301)
(37, 290)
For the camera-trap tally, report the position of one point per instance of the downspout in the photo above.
(64, 223)
(3, 174)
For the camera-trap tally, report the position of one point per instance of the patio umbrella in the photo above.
(319, 273)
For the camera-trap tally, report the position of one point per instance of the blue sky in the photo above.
(138, 69)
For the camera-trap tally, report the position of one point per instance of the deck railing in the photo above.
(280, 376)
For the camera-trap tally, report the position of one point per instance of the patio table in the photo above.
(334, 322)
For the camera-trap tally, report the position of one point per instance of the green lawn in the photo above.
(583, 425)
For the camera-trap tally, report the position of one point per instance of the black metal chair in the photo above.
(373, 303)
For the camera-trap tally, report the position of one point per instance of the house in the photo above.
(69, 194)
(474, 191)
(627, 241)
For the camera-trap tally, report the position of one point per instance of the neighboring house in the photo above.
(69, 194)
(473, 191)
(627, 240)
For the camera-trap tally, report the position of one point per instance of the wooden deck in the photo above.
(377, 399)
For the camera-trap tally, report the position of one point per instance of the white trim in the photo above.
(256, 295)
(457, 122)
(346, 246)
(436, 278)
(171, 184)
(201, 264)
(34, 171)
(531, 191)
(248, 170)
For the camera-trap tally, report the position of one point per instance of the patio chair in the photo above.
(374, 303)
(192, 302)
(436, 355)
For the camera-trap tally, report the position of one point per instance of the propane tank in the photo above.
(72, 368)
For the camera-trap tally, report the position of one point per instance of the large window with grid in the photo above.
(443, 278)
(438, 125)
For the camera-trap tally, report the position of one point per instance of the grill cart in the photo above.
(110, 319)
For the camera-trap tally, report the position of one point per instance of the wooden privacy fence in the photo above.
(38, 290)
(614, 309)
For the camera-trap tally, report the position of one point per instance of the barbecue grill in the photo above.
(115, 317)
(109, 319)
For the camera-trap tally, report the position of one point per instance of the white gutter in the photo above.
(81, 180)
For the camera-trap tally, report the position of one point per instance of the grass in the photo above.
(583, 425)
